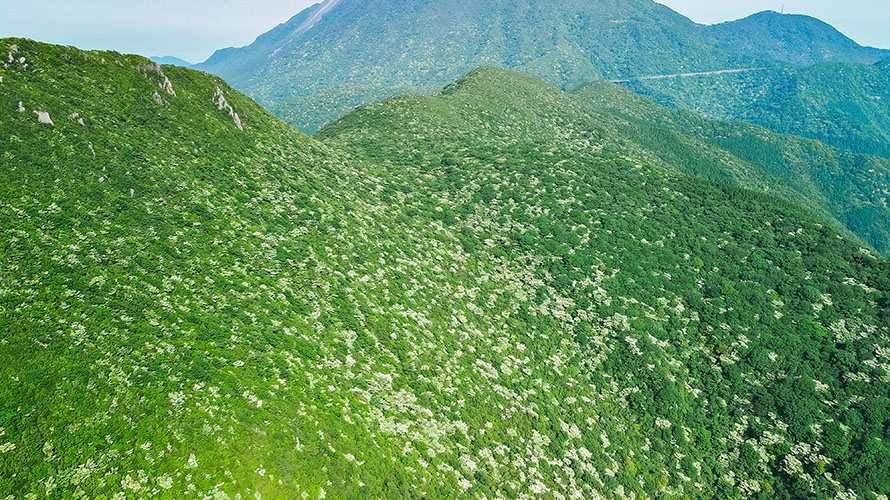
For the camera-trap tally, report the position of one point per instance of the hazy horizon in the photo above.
(197, 28)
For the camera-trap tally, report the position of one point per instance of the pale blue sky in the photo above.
(193, 29)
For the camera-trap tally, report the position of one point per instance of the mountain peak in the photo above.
(793, 38)
(487, 79)
(338, 54)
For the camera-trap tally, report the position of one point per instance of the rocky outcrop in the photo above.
(156, 69)
(220, 100)
(158, 99)
(76, 117)
(167, 86)
(43, 117)
(21, 107)
(12, 58)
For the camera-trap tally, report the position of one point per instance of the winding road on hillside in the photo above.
(683, 75)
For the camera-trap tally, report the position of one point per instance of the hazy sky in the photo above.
(193, 29)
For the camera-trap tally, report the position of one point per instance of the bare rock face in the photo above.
(151, 67)
(220, 100)
(167, 86)
(158, 99)
(156, 69)
(76, 117)
(21, 107)
(43, 117)
(12, 59)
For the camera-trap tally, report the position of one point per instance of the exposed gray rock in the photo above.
(43, 117)
(151, 67)
(10, 56)
(168, 87)
(155, 68)
(158, 99)
(91, 149)
(21, 107)
(220, 100)
(76, 117)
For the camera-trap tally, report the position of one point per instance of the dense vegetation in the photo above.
(676, 304)
(843, 105)
(197, 301)
(341, 53)
(850, 189)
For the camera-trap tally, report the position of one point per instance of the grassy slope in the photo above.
(265, 314)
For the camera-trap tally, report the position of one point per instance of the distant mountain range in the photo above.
(174, 61)
(342, 53)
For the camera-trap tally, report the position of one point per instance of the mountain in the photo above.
(157, 285)
(173, 61)
(431, 299)
(844, 105)
(495, 162)
(850, 190)
(844, 189)
(342, 53)
(795, 39)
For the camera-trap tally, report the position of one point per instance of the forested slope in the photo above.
(197, 301)
(844, 105)
(699, 324)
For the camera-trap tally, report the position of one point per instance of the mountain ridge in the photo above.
(481, 158)
(310, 76)
(564, 50)
(843, 189)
